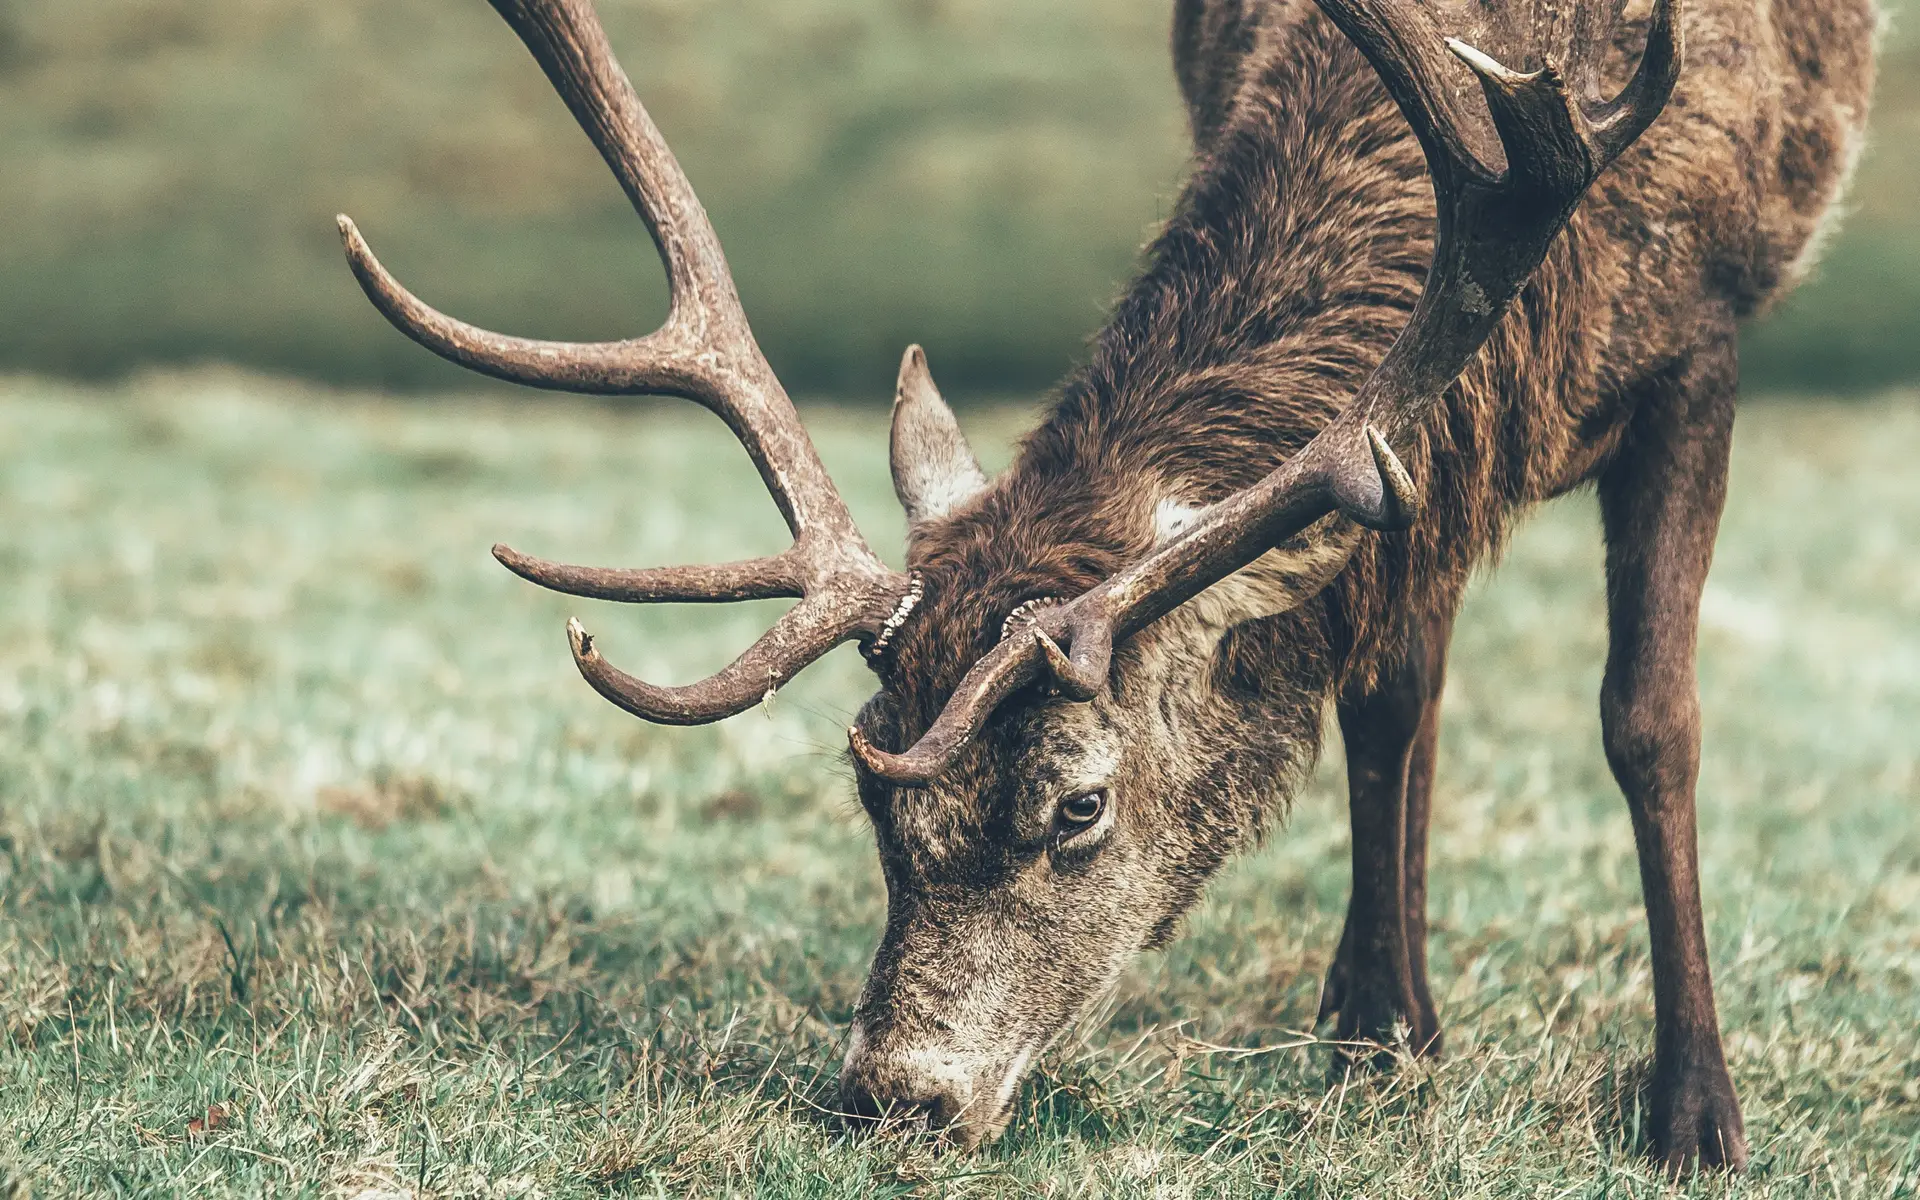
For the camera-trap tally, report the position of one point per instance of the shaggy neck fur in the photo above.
(1296, 256)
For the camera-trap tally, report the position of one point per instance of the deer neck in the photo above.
(1292, 261)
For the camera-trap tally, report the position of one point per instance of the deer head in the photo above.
(1051, 781)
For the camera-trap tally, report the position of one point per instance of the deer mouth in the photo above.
(991, 1110)
(928, 1092)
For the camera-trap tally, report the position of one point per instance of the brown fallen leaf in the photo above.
(216, 1116)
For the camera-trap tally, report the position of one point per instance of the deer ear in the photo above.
(934, 470)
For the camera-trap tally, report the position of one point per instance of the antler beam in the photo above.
(705, 352)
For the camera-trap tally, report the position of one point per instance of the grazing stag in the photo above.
(1104, 672)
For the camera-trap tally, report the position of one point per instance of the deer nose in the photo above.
(874, 1089)
(908, 1102)
(864, 1102)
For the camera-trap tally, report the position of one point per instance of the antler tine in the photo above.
(773, 577)
(1493, 232)
(1008, 667)
(1616, 123)
(644, 366)
(705, 352)
(1408, 52)
(1495, 227)
(1590, 29)
(806, 632)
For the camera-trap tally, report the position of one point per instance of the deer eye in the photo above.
(1082, 811)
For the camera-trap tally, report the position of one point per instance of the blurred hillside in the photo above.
(975, 174)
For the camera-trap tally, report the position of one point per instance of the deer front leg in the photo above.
(1660, 503)
(1378, 979)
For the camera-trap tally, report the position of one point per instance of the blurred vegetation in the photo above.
(975, 174)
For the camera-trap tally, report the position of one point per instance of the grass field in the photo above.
(324, 874)
(976, 175)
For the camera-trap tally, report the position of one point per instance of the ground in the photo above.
(323, 872)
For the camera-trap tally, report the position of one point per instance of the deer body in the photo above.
(1381, 323)
(1290, 265)
(1296, 255)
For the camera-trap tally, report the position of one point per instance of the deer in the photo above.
(1433, 265)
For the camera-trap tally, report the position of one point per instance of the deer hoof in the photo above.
(1377, 1026)
(1696, 1121)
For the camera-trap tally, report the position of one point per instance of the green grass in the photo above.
(323, 873)
(976, 175)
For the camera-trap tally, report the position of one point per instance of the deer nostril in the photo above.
(862, 1105)
(896, 1103)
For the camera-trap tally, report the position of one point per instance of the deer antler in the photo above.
(705, 352)
(1497, 219)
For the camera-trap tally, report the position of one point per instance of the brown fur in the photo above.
(1294, 258)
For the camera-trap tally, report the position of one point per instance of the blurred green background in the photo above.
(974, 174)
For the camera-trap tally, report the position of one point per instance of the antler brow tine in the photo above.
(1499, 208)
(705, 352)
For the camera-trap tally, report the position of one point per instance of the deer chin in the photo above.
(991, 1112)
(990, 1120)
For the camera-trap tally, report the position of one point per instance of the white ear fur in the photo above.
(934, 470)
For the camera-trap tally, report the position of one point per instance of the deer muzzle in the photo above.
(963, 1094)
